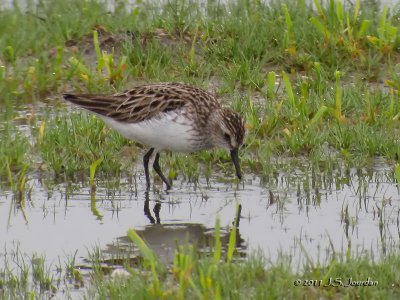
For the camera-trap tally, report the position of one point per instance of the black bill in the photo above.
(235, 160)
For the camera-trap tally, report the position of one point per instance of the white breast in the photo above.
(172, 132)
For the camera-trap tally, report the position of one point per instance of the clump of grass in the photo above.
(73, 144)
(41, 274)
(14, 149)
(20, 279)
(108, 70)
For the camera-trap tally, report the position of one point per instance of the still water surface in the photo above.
(302, 213)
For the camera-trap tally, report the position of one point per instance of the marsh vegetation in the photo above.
(318, 83)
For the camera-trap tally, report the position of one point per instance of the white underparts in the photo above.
(171, 131)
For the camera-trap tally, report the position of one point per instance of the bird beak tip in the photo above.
(235, 160)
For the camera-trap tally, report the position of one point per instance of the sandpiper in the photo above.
(168, 116)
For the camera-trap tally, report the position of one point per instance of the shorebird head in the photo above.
(227, 131)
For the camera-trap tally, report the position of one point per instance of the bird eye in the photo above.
(227, 137)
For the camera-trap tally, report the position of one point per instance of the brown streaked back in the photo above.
(146, 101)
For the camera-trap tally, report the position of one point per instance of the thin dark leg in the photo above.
(146, 208)
(157, 168)
(146, 159)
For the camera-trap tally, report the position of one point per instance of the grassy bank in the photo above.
(320, 83)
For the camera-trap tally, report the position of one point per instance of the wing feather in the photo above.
(143, 102)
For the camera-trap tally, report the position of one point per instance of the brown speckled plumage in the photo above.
(146, 101)
(201, 120)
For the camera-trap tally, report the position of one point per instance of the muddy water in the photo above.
(302, 213)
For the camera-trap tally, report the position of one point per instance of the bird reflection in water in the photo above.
(164, 238)
(156, 210)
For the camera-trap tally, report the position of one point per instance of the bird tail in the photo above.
(99, 104)
(70, 97)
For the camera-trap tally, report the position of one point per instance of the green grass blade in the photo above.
(108, 60)
(217, 251)
(328, 274)
(149, 257)
(271, 79)
(232, 237)
(100, 59)
(77, 64)
(289, 26)
(9, 173)
(391, 33)
(321, 27)
(338, 97)
(92, 170)
(317, 68)
(357, 5)
(321, 111)
(143, 248)
(363, 28)
(397, 172)
(192, 51)
(289, 90)
(196, 290)
(391, 105)
(217, 292)
(382, 23)
(22, 179)
(319, 8)
(340, 14)
(93, 206)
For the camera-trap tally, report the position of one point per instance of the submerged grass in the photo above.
(199, 276)
(224, 276)
(26, 277)
(221, 272)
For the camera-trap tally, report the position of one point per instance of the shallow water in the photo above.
(303, 214)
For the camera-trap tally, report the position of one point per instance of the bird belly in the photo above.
(170, 131)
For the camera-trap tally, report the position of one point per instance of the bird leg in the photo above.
(157, 168)
(146, 159)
